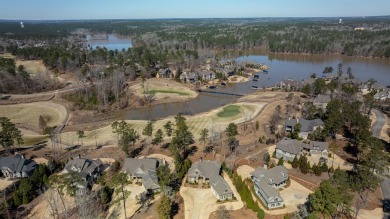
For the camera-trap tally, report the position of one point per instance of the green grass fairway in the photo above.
(153, 92)
(229, 111)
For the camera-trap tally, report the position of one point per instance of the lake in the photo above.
(109, 41)
(283, 66)
(299, 67)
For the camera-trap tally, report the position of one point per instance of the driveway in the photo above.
(379, 123)
(200, 203)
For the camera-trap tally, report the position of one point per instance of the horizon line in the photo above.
(189, 18)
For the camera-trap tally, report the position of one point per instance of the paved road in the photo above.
(385, 185)
(379, 123)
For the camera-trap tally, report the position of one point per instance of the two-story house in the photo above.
(267, 184)
(144, 171)
(17, 166)
(307, 126)
(89, 170)
(209, 172)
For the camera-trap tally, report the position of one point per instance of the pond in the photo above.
(109, 41)
(283, 66)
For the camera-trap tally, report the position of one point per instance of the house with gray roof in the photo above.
(189, 77)
(88, 169)
(267, 184)
(207, 171)
(317, 147)
(275, 177)
(17, 167)
(289, 148)
(144, 171)
(321, 101)
(307, 126)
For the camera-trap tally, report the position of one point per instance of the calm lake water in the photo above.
(283, 66)
(109, 41)
(299, 67)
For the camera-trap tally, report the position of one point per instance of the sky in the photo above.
(141, 9)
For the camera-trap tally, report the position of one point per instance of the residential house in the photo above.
(289, 148)
(206, 76)
(267, 184)
(275, 177)
(89, 170)
(317, 147)
(144, 171)
(165, 73)
(382, 95)
(17, 167)
(307, 126)
(321, 101)
(191, 77)
(290, 84)
(364, 88)
(209, 172)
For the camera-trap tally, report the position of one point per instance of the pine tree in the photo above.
(25, 199)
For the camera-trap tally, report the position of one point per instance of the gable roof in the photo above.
(17, 164)
(267, 191)
(220, 185)
(317, 145)
(322, 99)
(83, 166)
(206, 168)
(306, 125)
(275, 175)
(131, 165)
(291, 146)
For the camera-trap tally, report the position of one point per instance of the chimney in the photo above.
(79, 156)
(297, 120)
(201, 159)
(265, 166)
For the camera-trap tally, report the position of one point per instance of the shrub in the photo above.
(260, 214)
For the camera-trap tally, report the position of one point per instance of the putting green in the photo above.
(229, 111)
(154, 92)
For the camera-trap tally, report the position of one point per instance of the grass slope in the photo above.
(54, 114)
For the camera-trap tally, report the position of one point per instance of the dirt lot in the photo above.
(43, 209)
(5, 183)
(131, 203)
(200, 203)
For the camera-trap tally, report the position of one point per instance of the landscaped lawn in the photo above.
(229, 111)
(153, 92)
